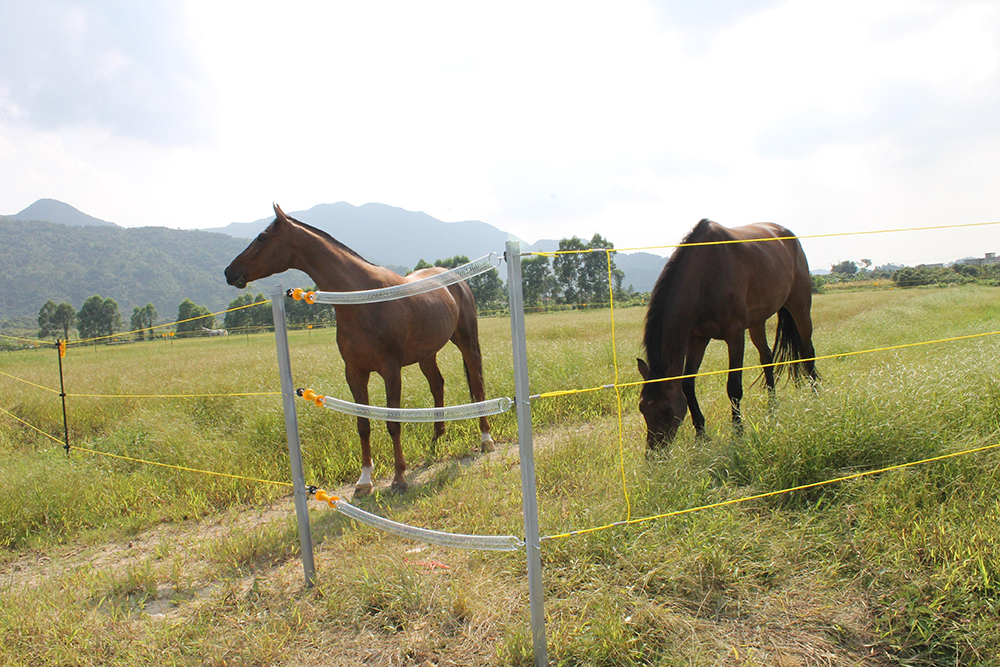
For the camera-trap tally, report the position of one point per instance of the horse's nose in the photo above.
(233, 278)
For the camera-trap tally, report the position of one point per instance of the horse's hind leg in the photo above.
(358, 383)
(758, 336)
(393, 393)
(431, 371)
(466, 338)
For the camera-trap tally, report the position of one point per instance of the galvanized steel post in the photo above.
(529, 496)
(292, 431)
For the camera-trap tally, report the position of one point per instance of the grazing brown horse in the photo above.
(719, 291)
(375, 337)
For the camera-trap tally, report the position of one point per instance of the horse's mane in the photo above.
(660, 299)
(319, 232)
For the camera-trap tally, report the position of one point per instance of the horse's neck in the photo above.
(678, 316)
(335, 269)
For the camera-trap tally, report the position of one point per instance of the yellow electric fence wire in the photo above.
(143, 461)
(618, 393)
(246, 393)
(769, 494)
(553, 253)
(183, 468)
(567, 392)
(34, 428)
(37, 386)
(38, 343)
(169, 324)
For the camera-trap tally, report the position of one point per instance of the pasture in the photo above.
(112, 561)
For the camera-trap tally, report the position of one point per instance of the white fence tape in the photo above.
(458, 274)
(454, 540)
(449, 413)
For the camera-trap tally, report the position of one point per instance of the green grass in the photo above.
(111, 561)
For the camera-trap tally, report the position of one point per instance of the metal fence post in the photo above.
(292, 431)
(529, 495)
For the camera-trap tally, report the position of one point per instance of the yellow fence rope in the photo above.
(28, 382)
(169, 324)
(142, 461)
(769, 494)
(33, 428)
(568, 392)
(245, 393)
(618, 393)
(553, 253)
(176, 467)
(36, 343)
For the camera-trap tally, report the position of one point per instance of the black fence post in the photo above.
(61, 348)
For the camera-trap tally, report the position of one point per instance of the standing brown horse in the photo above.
(719, 290)
(374, 337)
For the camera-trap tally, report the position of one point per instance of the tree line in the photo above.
(100, 317)
(851, 272)
(577, 275)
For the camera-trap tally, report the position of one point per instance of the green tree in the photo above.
(847, 268)
(421, 265)
(537, 281)
(192, 317)
(259, 317)
(566, 268)
(487, 289)
(143, 319)
(582, 277)
(592, 281)
(98, 317)
(46, 328)
(64, 317)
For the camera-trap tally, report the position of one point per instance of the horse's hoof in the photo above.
(487, 445)
(362, 490)
(399, 487)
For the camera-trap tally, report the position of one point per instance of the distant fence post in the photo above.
(292, 430)
(61, 351)
(529, 495)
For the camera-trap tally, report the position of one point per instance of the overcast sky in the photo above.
(633, 119)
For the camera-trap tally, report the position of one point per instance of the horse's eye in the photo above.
(260, 237)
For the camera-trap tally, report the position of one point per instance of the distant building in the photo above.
(989, 258)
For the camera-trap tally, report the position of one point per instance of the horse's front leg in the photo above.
(734, 385)
(692, 362)
(393, 392)
(358, 382)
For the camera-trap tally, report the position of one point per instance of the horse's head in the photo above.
(663, 406)
(266, 255)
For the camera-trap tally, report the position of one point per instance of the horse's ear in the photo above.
(278, 213)
(643, 369)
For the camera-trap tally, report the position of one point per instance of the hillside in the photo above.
(56, 252)
(57, 211)
(391, 236)
(43, 260)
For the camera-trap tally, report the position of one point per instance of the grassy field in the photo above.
(113, 561)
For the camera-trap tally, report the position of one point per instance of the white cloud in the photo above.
(546, 119)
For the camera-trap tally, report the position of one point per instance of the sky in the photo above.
(632, 119)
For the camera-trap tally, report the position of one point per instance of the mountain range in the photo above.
(54, 251)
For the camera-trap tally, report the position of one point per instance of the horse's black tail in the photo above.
(789, 351)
